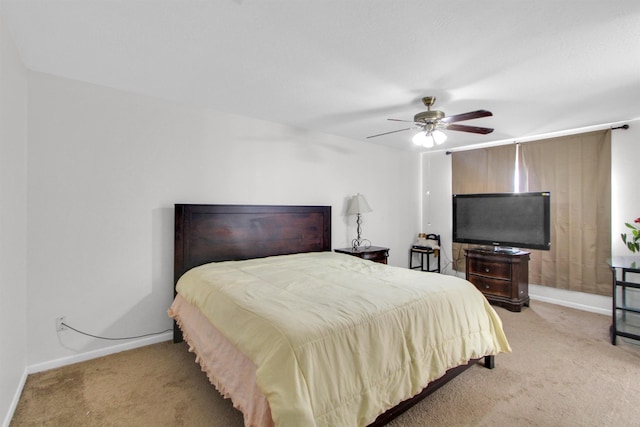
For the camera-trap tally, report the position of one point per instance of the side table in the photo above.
(425, 254)
(372, 253)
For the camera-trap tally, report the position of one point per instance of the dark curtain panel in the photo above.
(576, 170)
(486, 170)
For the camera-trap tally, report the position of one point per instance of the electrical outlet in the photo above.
(60, 323)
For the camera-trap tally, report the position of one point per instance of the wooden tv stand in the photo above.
(503, 277)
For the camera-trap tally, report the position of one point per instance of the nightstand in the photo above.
(372, 253)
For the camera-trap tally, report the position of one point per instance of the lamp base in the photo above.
(357, 242)
(360, 243)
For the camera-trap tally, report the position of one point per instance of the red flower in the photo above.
(637, 220)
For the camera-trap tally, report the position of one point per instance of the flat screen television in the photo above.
(503, 220)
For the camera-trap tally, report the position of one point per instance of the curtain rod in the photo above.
(624, 126)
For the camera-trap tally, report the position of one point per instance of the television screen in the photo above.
(518, 220)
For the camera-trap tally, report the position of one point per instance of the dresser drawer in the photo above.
(490, 286)
(499, 270)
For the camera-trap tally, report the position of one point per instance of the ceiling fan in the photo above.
(431, 123)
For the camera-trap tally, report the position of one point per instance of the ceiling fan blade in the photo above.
(400, 120)
(387, 133)
(472, 129)
(466, 116)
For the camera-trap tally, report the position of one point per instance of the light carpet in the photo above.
(563, 372)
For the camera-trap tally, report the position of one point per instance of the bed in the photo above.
(295, 334)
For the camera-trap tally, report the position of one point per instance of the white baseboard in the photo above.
(15, 400)
(82, 357)
(573, 299)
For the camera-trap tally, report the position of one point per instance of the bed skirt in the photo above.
(228, 369)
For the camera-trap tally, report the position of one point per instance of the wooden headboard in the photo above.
(210, 233)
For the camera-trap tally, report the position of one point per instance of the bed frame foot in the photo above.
(177, 333)
(489, 362)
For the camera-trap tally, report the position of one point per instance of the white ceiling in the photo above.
(344, 67)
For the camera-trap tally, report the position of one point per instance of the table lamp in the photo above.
(358, 205)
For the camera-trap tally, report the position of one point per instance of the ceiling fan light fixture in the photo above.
(423, 140)
(431, 121)
(439, 137)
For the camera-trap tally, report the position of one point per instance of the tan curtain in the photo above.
(486, 170)
(576, 170)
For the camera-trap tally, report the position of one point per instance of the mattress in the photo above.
(336, 340)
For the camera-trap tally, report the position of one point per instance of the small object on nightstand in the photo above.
(372, 253)
(425, 247)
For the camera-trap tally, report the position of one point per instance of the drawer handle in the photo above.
(486, 269)
(486, 286)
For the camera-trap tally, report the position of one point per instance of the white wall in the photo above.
(625, 197)
(436, 202)
(13, 213)
(106, 167)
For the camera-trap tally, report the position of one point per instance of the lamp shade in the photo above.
(358, 204)
(439, 137)
(426, 139)
(422, 139)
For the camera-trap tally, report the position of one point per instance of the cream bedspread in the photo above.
(337, 340)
